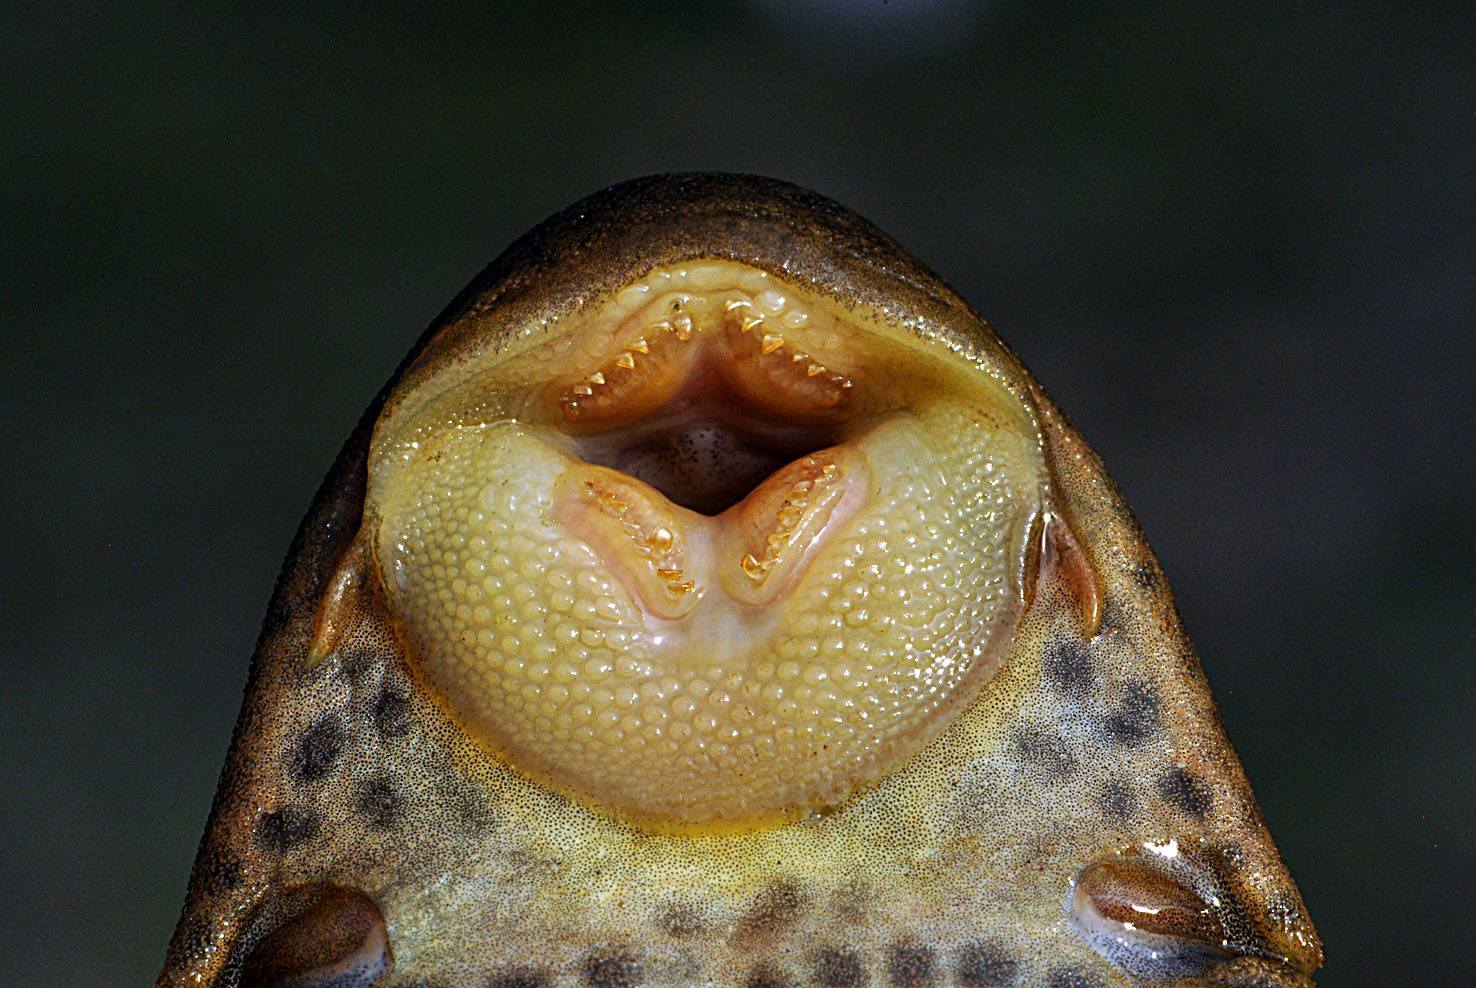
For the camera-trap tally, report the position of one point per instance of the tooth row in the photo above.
(656, 546)
(679, 327)
(788, 518)
(751, 318)
(762, 307)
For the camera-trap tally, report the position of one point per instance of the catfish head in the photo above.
(711, 598)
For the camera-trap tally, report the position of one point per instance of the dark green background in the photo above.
(1236, 246)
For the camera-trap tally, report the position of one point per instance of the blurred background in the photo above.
(1234, 241)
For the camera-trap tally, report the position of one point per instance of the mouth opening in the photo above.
(709, 448)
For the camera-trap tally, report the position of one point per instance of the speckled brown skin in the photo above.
(952, 870)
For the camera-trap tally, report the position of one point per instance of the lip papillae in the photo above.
(722, 570)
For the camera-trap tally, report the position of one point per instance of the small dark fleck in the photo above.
(281, 830)
(1070, 977)
(768, 976)
(1136, 715)
(520, 977)
(910, 965)
(1045, 751)
(1145, 576)
(985, 965)
(611, 971)
(836, 968)
(1118, 801)
(1184, 791)
(380, 804)
(392, 714)
(317, 749)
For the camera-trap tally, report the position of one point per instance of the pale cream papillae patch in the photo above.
(684, 669)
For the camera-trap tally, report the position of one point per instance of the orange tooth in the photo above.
(751, 322)
(598, 377)
(639, 345)
(626, 360)
(771, 342)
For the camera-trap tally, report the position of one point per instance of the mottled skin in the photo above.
(1098, 734)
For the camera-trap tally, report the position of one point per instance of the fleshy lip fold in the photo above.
(718, 563)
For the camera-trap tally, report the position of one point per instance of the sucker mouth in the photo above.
(712, 553)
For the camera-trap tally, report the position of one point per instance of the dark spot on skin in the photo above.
(1136, 716)
(392, 714)
(680, 922)
(281, 830)
(468, 806)
(985, 965)
(1045, 751)
(611, 971)
(1118, 801)
(1068, 665)
(775, 908)
(1185, 792)
(836, 968)
(768, 976)
(1070, 977)
(851, 900)
(910, 965)
(1283, 909)
(380, 804)
(218, 871)
(521, 977)
(1145, 576)
(317, 750)
(193, 939)
(1232, 858)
